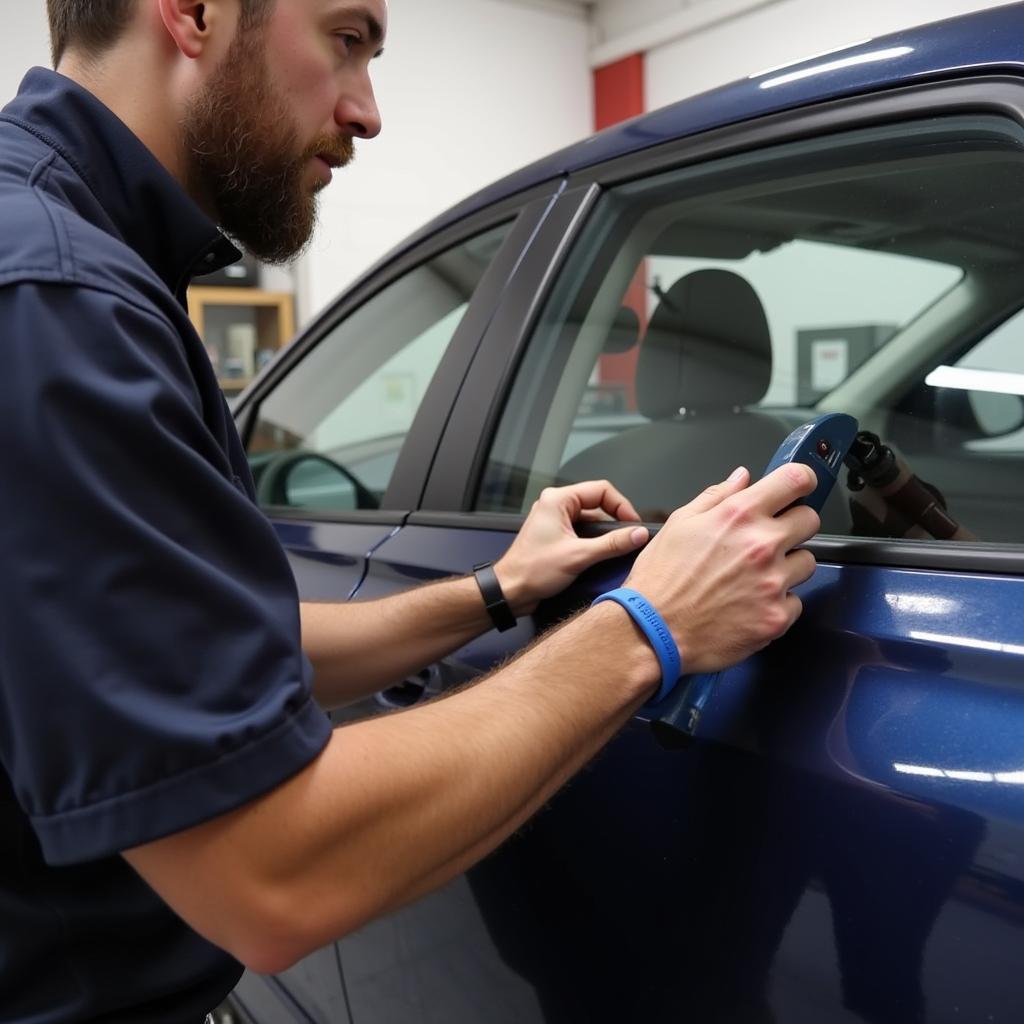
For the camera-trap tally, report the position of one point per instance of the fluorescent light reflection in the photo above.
(970, 776)
(967, 641)
(961, 775)
(918, 769)
(874, 56)
(922, 604)
(810, 56)
(963, 378)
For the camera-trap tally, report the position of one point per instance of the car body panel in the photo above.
(867, 748)
(844, 839)
(330, 559)
(311, 992)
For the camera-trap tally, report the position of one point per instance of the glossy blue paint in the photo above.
(787, 842)
(329, 559)
(808, 831)
(910, 682)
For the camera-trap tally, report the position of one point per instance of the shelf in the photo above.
(234, 383)
(246, 326)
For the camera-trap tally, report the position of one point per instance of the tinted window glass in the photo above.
(328, 436)
(707, 312)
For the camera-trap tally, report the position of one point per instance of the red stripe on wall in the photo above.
(619, 91)
(618, 96)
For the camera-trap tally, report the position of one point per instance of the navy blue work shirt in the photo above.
(151, 672)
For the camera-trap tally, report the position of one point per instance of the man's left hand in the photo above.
(547, 555)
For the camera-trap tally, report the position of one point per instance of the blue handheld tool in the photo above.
(821, 444)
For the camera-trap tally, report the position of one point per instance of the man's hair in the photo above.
(94, 25)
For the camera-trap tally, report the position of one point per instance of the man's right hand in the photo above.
(721, 570)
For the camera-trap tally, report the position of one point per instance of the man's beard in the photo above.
(243, 159)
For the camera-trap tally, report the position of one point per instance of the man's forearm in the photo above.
(399, 804)
(361, 647)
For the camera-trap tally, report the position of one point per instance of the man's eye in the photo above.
(347, 40)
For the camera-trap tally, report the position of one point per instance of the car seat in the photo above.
(705, 359)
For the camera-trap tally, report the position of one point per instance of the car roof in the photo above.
(989, 40)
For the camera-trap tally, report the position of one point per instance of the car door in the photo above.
(841, 837)
(340, 436)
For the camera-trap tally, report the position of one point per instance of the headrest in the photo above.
(707, 347)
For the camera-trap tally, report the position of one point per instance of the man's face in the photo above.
(259, 146)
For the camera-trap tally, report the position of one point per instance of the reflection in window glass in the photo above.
(1000, 410)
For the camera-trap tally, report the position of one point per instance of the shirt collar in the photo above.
(146, 206)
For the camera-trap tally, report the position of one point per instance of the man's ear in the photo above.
(191, 23)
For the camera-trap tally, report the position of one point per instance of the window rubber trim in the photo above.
(968, 557)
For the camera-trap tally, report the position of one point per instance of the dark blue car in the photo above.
(842, 839)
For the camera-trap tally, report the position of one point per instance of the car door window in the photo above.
(327, 438)
(706, 312)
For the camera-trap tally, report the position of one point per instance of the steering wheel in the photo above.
(272, 485)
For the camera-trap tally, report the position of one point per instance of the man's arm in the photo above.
(398, 805)
(361, 647)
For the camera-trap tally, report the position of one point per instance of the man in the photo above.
(172, 801)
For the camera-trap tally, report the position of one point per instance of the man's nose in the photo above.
(357, 112)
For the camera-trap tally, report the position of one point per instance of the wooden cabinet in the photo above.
(242, 329)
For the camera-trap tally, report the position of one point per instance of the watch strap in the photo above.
(494, 598)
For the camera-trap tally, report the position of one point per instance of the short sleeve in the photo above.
(151, 670)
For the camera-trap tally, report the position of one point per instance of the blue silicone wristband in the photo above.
(654, 628)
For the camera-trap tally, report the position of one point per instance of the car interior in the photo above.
(704, 366)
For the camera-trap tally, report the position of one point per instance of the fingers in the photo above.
(613, 544)
(780, 489)
(572, 557)
(624, 541)
(791, 608)
(799, 568)
(595, 495)
(595, 515)
(799, 525)
(717, 493)
(794, 607)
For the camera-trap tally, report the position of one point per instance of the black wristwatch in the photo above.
(497, 607)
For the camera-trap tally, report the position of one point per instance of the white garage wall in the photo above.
(469, 90)
(24, 42)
